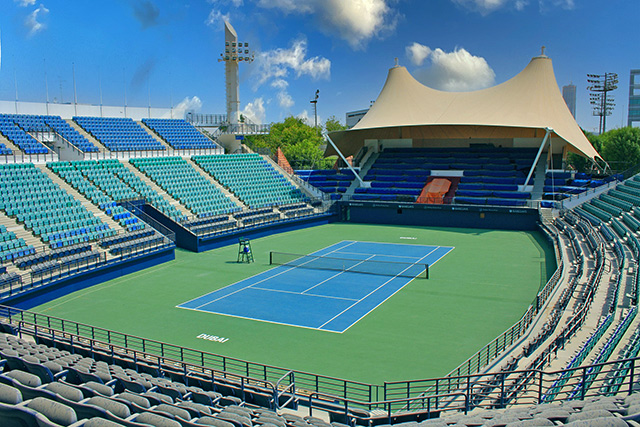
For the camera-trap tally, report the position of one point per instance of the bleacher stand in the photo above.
(182, 182)
(179, 134)
(119, 133)
(330, 181)
(30, 196)
(19, 136)
(251, 178)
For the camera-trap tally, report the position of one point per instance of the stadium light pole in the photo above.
(599, 87)
(314, 101)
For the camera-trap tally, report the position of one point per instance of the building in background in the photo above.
(634, 97)
(569, 95)
(353, 117)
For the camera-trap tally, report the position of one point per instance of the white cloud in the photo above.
(355, 21)
(31, 21)
(279, 84)
(216, 18)
(25, 3)
(277, 63)
(417, 53)
(189, 104)
(255, 111)
(285, 100)
(456, 71)
(309, 119)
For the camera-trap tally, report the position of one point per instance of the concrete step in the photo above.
(85, 202)
(155, 136)
(21, 232)
(158, 189)
(10, 145)
(226, 192)
(86, 134)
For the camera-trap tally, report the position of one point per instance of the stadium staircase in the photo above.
(10, 145)
(95, 210)
(538, 180)
(219, 186)
(155, 136)
(87, 135)
(364, 169)
(155, 187)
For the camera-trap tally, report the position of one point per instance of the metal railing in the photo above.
(338, 396)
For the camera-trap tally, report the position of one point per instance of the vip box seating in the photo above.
(182, 182)
(296, 210)
(30, 196)
(490, 175)
(106, 182)
(559, 185)
(257, 216)
(18, 136)
(329, 181)
(251, 178)
(119, 133)
(209, 225)
(179, 134)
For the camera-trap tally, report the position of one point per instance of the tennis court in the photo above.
(329, 290)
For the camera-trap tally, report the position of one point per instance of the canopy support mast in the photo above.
(535, 162)
(362, 183)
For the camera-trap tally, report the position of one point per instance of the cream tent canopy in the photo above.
(522, 107)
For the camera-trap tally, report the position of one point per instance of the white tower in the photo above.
(234, 53)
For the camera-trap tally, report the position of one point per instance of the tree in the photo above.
(579, 162)
(299, 142)
(621, 148)
(332, 124)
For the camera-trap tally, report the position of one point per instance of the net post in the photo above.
(270, 257)
(426, 269)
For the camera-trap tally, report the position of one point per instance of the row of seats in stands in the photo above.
(559, 185)
(180, 134)
(331, 181)
(19, 137)
(38, 123)
(106, 182)
(59, 386)
(30, 196)
(11, 247)
(119, 133)
(185, 184)
(251, 178)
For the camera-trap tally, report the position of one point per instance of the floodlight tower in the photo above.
(600, 86)
(234, 53)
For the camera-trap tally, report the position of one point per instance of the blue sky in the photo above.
(167, 50)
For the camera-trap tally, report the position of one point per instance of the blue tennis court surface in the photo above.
(327, 300)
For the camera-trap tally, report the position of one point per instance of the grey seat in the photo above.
(587, 415)
(116, 408)
(154, 420)
(54, 411)
(14, 415)
(24, 378)
(172, 410)
(10, 395)
(213, 421)
(599, 422)
(64, 390)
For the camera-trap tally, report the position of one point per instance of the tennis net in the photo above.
(380, 268)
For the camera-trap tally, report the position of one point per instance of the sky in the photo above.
(165, 52)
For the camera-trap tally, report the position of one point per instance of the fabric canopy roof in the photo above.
(521, 107)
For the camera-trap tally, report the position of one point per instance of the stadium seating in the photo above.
(43, 207)
(559, 185)
(251, 178)
(179, 134)
(107, 182)
(36, 123)
(182, 182)
(490, 175)
(19, 136)
(330, 181)
(119, 133)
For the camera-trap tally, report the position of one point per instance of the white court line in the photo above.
(382, 255)
(260, 281)
(311, 295)
(336, 275)
(402, 287)
(261, 320)
(373, 291)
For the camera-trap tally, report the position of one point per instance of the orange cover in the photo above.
(433, 193)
